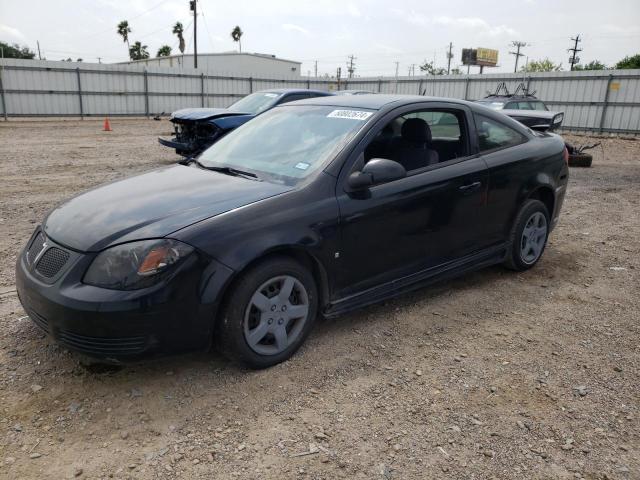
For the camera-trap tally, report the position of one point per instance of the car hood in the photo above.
(194, 114)
(151, 205)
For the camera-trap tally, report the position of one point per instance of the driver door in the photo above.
(432, 216)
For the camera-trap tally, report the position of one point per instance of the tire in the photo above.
(526, 247)
(258, 327)
(580, 160)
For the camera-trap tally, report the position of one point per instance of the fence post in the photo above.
(379, 85)
(466, 88)
(308, 83)
(146, 93)
(420, 87)
(4, 102)
(202, 90)
(250, 84)
(606, 103)
(80, 93)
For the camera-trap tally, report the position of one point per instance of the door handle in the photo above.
(471, 187)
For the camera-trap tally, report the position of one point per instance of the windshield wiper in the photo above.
(230, 171)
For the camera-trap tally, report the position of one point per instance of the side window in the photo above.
(511, 106)
(538, 106)
(524, 106)
(443, 125)
(421, 139)
(493, 135)
(293, 97)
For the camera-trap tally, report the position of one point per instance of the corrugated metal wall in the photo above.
(606, 101)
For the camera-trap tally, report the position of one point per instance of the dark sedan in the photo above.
(312, 209)
(196, 129)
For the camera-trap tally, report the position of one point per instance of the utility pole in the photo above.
(351, 66)
(39, 56)
(315, 70)
(449, 57)
(338, 74)
(573, 59)
(99, 59)
(397, 66)
(193, 7)
(517, 53)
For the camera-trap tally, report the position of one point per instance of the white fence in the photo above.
(599, 101)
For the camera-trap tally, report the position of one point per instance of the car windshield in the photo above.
(492, 104)
(255, 103)
(288, 143)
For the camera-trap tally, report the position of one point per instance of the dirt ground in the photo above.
(496, 375)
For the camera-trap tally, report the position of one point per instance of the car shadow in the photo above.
(327, 331)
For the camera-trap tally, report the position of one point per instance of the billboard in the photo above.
(487, 57)
(484, 57)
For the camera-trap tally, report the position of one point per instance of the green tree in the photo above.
(178, 30)
(138, 51)
(544, 65)
(456, 71)
(16, 51)
(236, 35)
(164, 51)
(629, 62)
(592, 65)
(430, 69)
(124, 30)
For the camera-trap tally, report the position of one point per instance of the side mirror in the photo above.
(376, 171)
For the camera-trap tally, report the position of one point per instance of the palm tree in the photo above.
(124, 30)
(178, 30)
(236, 35)
(138, 51)
(164, 51)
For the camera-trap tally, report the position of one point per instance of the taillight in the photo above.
(565, 156)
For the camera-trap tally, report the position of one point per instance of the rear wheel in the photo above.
(529, 236)
(268, 314)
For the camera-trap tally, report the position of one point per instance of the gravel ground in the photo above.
(496, 375)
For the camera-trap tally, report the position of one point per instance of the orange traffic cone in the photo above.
(107, 125)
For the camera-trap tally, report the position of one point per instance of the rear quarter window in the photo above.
(493, 135)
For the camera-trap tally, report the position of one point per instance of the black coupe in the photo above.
(311, 209)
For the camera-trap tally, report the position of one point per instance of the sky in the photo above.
(378, 33)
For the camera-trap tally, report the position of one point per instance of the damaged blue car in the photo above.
(196, 129)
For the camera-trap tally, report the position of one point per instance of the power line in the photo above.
(573, 59)
(518, 45)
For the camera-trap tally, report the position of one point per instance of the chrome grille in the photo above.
(51, 262)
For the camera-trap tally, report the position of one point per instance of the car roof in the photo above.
(293, 90)
(374, 101)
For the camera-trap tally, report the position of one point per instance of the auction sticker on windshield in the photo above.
(350, 114)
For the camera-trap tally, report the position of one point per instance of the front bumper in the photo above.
(180, 147)
(117, 326)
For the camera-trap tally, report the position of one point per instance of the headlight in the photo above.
(135, 265)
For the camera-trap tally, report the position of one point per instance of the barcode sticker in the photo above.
(350, 114)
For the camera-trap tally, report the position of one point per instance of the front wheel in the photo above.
(529, 236)
(268, 313)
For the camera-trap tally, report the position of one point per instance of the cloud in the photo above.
(11, 32)
(353, 10)
(475, 23)
(295, 28)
